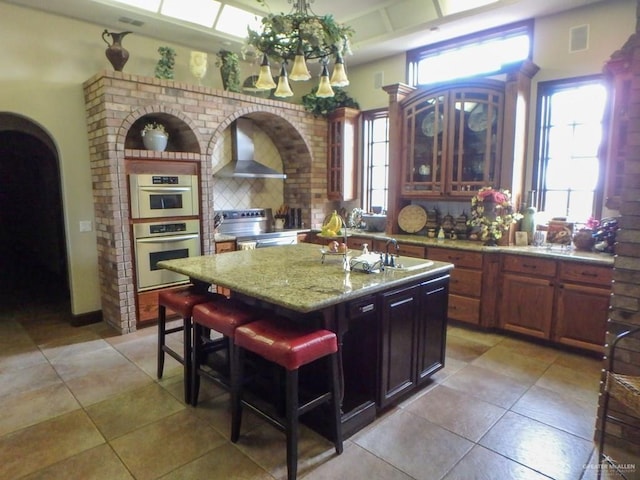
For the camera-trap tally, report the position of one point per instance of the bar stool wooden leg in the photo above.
(237, 377)
(162, 325)
(292, 423)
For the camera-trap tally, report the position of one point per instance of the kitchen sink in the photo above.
(406, 264)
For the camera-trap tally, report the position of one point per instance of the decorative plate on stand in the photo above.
(412, 218)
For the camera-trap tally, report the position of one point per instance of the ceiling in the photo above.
(383, 27)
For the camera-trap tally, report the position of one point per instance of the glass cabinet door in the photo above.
(475, 117)
(425, 141)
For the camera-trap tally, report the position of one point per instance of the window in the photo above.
(483, 53)
(568, 173)
(376, 159)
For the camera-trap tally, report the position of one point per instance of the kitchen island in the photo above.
(391, 325)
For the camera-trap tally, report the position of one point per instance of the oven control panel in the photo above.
(165, 180)
(165, 229)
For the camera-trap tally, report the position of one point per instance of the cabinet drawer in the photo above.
(459, 258)
(362, 307)
(356, 243)
(530, 265)
(466, 282)
(586, 273)
(464, 309)
(222, 247)
(411, 250)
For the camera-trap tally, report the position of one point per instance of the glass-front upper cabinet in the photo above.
(452, 139)
(473, 148)
(426, 139)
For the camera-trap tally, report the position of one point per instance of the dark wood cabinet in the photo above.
(341, 160)
(432, 328)
(399, 310)
(413, 334)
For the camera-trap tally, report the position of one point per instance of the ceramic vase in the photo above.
(155, 140)
(198, 65)
(583, 240)
(115, 52)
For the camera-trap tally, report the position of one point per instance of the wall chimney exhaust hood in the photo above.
(243, 163)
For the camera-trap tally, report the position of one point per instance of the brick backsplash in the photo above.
(287, 138)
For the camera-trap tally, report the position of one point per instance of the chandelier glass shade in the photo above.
(299, 37)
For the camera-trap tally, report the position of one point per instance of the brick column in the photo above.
(115, 101)
(625, 299)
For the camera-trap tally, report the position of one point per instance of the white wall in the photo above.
(45, 60)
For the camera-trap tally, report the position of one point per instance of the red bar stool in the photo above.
(223, 317)
(180, 301)
(290, 346)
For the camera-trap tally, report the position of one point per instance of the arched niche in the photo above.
(181, 137)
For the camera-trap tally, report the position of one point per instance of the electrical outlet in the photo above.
(85, 225)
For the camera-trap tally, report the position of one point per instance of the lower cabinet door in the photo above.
(464, 309)
(398, 343)
(432, 328)
(527, 305)
(581, 318)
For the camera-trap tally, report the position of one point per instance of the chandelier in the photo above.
(298, 37)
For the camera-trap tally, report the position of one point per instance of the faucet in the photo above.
(389, 260)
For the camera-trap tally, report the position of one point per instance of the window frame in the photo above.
(546, 89)
(367, 117)
(416, 55)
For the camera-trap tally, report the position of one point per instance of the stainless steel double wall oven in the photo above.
(170, 204)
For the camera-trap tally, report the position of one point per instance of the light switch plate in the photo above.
(85, 225)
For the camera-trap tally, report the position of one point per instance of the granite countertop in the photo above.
(293, 276)
(555, 252)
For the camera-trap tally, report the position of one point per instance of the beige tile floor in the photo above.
(84, 403)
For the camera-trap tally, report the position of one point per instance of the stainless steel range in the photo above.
(255, 225)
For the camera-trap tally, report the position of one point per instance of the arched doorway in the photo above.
(33, 270)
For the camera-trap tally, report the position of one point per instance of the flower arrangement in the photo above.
(492, 213)
(158, 127)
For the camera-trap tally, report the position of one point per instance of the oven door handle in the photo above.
(165, 189)
(173, 238)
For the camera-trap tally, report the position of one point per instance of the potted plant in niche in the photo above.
(228, 62)
(155, 136)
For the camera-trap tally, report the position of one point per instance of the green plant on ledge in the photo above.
(321, 106)
(228, 62)
(164, 67)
